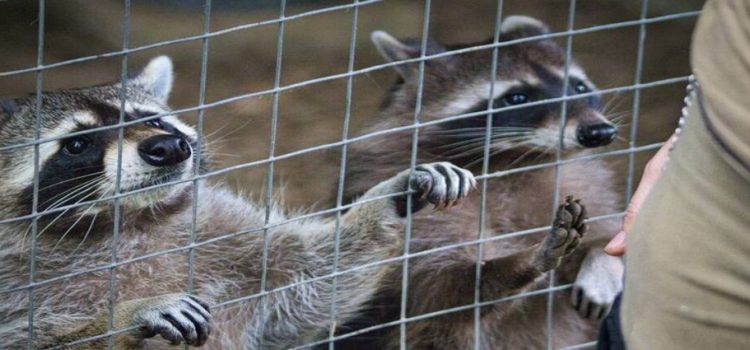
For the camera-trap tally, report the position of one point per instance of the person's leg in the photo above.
(688, 286)
(610, 331)
(688, 257)
(688, 281)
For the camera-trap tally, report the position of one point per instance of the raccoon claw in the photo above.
(567, 230)
(598, 282)
(177, 318)
(442, 184)
(588, 307)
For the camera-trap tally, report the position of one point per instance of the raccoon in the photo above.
(528, 71)
(78, 257)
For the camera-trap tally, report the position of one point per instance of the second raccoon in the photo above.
(529, 71)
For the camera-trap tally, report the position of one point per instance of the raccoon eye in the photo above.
(516, 98)
(155, 123)
(581, 88)
(76, 145)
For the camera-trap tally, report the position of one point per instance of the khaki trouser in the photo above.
(687, 280)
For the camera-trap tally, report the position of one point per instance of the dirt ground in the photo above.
(316, 46)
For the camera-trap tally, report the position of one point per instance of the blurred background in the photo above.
(315, 46)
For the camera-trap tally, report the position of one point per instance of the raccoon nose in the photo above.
(164, 150)
(596, 135)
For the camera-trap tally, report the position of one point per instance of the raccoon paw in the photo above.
(567, 230)
(177, 318)
(440, 184)
(598, 282)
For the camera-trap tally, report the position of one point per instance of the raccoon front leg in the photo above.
(512, 274)
(177, 318)
(452, 284)
(370, 232)
(598, 282)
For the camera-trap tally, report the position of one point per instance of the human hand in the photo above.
(651, 174)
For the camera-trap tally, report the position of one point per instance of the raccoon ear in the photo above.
(7, 106)
(515, 27)
(394, 50)
(7, 109)
(156, 77)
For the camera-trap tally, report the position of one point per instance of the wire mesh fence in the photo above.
(342, 146)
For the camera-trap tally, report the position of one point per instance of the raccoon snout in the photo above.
(595, 135)
(164, 150)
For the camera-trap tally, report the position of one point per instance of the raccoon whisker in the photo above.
(221, 154)
(86, 235)
(461, 144)
(214, 143)
(212, 133)
(511, 145)
(80, 190)
(86, 192)
(482, 139)
(497, 135)
(477, 130)
(91, 224)
(71, 192)
(522, 156)
(543, 152)
(24, 235)
(66, 195)
(613, 102)
(475, 149)
(620, 122)
(605, 110)
(464, 139)
(617, 115)
(508, 128)
(477, 146)
(483, 133)
(517, 124)
(61, 201)
(620, 111)
(80, 217)
(71, 179)
(222, 138)
(234, 130)
(495, 143)
(515, 141)
(620, 114)
(39, 234)
(622, 125)
(475, 161)
(67, 192)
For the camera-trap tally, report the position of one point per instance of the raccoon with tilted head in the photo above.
(77, 257)
(528, 71)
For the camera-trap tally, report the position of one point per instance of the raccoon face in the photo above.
(85, 167)
(526, 73)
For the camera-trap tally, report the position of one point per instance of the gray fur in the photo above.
(445, 279)
(150, 290)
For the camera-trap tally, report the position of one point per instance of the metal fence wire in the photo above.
(343, 144)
